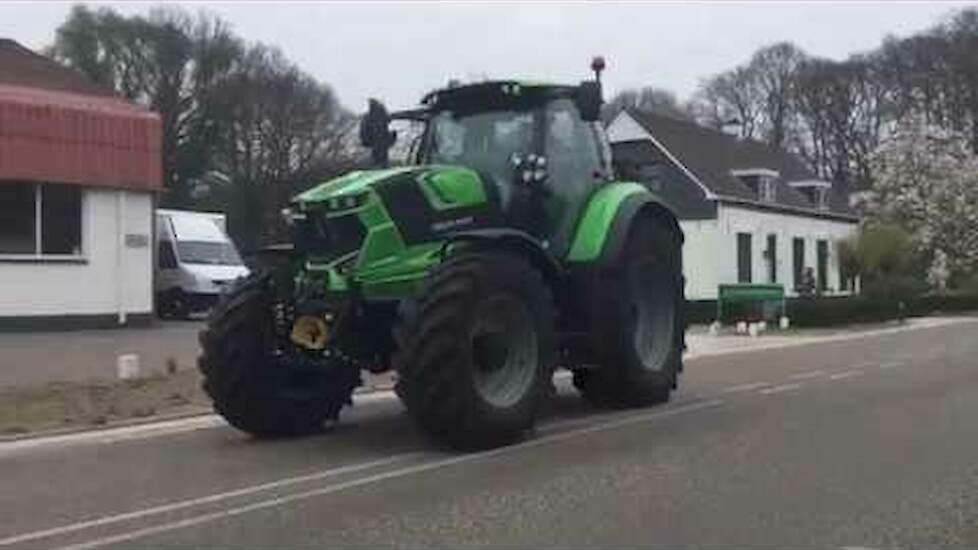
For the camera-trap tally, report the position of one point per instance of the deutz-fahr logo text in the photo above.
(451, 224)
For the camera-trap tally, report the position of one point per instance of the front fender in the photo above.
(515, 241)
(601, 234)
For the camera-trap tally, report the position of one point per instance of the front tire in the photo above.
(637, 328)
(258, 385)
(475, 350)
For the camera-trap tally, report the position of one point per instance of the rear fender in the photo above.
(603, 230)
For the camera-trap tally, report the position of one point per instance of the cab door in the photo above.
(576, 167)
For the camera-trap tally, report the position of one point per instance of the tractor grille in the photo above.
(330, 238)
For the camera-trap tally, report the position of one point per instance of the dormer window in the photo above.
(822, 198)
(817, 191)
(761, 181)
(767, 190)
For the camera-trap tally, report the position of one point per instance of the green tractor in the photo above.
(506, 249)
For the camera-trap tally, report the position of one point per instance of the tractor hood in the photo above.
(439, 187)
(350, 184)
(381, 223)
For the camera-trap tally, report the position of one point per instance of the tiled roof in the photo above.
(711, 156)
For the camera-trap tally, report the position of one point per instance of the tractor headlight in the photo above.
(290, 216)
(347, 202)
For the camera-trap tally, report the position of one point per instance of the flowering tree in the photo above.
(926, 180)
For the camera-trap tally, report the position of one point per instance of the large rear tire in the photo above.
(475, 350)
(637, 326)
(258, 385)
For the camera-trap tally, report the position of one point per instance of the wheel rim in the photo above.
(653, 315)
(504, 350)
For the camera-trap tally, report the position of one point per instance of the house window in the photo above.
(40, 219)
(845, 281)
(822, 256)
(798, 259)
(772, 258)
(767, 189)
(743, 257)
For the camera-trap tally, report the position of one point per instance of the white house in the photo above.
(750, 213)
(79, 169)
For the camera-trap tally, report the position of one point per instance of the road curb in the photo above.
(129, 423)
(107, 426)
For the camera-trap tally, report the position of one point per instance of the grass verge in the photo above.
(91, 404)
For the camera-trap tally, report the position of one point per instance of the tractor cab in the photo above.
(541, 147)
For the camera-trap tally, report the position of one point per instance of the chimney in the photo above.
(732, 128)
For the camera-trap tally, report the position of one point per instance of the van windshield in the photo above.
(208, 252)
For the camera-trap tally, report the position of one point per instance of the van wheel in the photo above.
(173, 304)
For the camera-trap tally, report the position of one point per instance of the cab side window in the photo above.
(573, 156)
(166, 257)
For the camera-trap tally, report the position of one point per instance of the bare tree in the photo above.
(648, 99)
(169, 61)
(773, 70)
(278, 130)
(732, 96)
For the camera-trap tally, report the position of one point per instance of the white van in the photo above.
(195, 261)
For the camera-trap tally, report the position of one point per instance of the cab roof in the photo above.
(494, 92)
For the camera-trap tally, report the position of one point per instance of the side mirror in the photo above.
(589, 100)
(374, 132)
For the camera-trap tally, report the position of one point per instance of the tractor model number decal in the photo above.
(451, 224)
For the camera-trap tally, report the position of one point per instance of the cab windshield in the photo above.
(484, 141)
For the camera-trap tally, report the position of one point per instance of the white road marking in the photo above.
(384, 476)
(744, 387)
(806, 375)
(846, 374)
(780, 389)
(891, 365)
(217, 497)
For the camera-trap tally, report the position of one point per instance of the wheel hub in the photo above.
(504, 350)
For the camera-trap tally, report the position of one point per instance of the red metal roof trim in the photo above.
(99, 141)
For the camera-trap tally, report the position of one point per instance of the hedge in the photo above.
(827, 311)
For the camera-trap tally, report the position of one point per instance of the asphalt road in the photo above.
(869, 442)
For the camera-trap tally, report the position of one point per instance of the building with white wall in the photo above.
(79, 169)
(750, 213)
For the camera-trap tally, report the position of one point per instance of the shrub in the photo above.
(866, 309)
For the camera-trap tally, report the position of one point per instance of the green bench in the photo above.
(739, 293)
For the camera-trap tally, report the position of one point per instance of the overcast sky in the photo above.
(398, 50)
